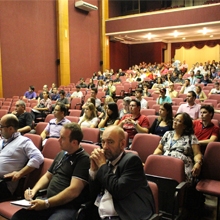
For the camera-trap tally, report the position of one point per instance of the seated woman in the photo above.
(89, 118)
(43, 107)
(126, 109)
(108, 99)
(111, 116)
(200, 94)
(158, 85)
(89, 100)
(164, 122)
(183, 144)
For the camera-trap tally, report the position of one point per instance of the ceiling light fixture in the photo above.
(149, 36)
(183, 38)
(204, 31)
(211, 35)
(175, 33)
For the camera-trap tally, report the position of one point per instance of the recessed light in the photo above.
(183, 38)
(211, 35)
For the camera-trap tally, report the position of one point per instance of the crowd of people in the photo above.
(115, 178)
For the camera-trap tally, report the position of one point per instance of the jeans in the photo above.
(55, 213)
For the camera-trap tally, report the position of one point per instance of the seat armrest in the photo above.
(40, 194)
(181, 185)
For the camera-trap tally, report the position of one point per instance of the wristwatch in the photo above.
(135, 123)
(47, 204)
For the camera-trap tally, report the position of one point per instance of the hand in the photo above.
(29, 194)
(98, 157)
(37, 204)
(130, 121)
(14, 175)
(93, 165)
(196, 169)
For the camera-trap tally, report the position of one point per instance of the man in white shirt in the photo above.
(138, 95)
(187, 87)
(77, 93)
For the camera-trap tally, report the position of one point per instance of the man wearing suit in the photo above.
(117, 181)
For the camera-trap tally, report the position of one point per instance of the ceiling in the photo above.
(184, 33)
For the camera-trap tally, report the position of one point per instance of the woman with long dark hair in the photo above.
(164, 122)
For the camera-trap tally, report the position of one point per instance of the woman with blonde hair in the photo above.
(89, 118)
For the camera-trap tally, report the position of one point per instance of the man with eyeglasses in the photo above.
(54, 126)
(66, 181)
(134, 122)
(118, 185)
(18, 156)
(25, 118)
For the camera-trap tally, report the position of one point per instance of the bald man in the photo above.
(118, 184)
(18, 155)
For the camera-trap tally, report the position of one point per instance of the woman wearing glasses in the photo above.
(183, 144)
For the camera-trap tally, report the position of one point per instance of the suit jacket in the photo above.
(131, 194)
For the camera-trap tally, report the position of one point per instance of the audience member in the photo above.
(118, 181)
(164, 122)
(134, 122)
(183, 144)
(193, 80)
(200, 94)
(66, 181)
(94, 92)
(91, 84)
(82, 83)
(190, 107)
(45, 89)
(146, 93)
(18, 155)
(126, 107)
(187, 87)
(215, 90)
(110, 90)
(204, 129)
(158, 84)
(111, 116)
(180, 79)
(55, 94)
(171, 92)
(63, 99)
(77, 93)
(25, 119)
(163, 98)
(117, 79)
(30, 94)
(206, 80)
(89, 118)
(52, 87)
(108, 99)
(54, 126)
(43, 107)
(138, 95)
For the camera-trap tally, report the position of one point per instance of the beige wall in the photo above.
(193, 55)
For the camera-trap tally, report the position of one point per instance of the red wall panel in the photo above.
(84, 41)
(28, 45)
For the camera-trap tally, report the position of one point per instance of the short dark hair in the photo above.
(76, 131)
(95, 90)
(12, 121)
(139, 90)
(188, 80)
(62, 107)
(138, 103)
(193, 94)
(209, 108)
(78, 87)
(32, 88)
(62, 92)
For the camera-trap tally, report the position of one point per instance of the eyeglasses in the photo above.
(4, 126)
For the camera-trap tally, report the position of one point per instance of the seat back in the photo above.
(147, 112)
(51, 148)
(91, 134)
(145, 144)
(40, 127)
(89, 147)
(73, 118)
(49, 117)
(151, 119)
(165, 166)
(75, 112)
(211, 162)
(154, 190)
(36, 139)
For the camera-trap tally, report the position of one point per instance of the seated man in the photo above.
(54, 126)
(30, 94)
(187, 87)
(134, 122)
(77, 93)
(55, 95)
(204, 129)
(25, 118)
(63, 99)
(215, 90)
(138, 95)
(18, 155)
(190, 107)
(118, 181)
(66, 181)
(171, 92)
